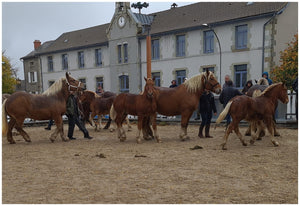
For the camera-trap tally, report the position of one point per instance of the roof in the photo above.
(173, 19)
(44, 46)
(194, 15)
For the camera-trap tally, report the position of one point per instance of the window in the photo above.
(50, 64)
(155, 49)
(124, 84)
(180, 76)
(180, 45)
(211, 69)
(125, 48)
(120, 53)
(32, 77)
(240, 75)
(99, 81)
(83, 80)
(98, 57)
(65, 62)
(81, 59)
(241, 33)
(208, 42)
(156, 76)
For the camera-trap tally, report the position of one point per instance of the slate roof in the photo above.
(173, 19)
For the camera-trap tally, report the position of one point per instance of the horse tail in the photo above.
(224, 113)
(256, 93)
(4, 119)
(113, 113)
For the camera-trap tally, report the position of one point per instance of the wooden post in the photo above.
(148, 41)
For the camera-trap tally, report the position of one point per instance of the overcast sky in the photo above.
(24, 22)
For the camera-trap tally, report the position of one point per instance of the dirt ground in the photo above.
(104, 170)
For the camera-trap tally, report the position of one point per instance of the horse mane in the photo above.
(268, 89)
(194, 83)
(54, 88)
(263, 81)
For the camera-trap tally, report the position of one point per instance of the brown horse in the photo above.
(97, 105)
(254, 110)
(49, 105)
(184, 99)
(141, 105)
(256, 91)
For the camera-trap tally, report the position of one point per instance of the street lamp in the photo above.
(207, 25)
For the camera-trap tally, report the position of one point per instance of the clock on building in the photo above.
(121, 21)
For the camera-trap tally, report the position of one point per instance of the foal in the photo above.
(143, 106)
(254, 110)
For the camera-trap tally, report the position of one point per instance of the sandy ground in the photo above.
(104, 170)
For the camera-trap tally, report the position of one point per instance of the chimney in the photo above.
(37, 44)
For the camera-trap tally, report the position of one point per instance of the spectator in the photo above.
(226, 95)
(207, 107)
(73, 114)
(247, 86)
(99, 90)
(50, 123)
(266, 76)
(227, 78)
(173, 84)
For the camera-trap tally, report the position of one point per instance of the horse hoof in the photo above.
(224, 148)
(138, 141)
(252, 141)
(276, 144)
(12, 142)
(244, 144)
(159, 141)
(52, 140)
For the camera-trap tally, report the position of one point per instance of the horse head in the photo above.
(211, 83)
(73, 84)
(149, 87)
(282, 94)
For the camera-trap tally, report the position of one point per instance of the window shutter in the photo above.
(29, 79)
(35, 76)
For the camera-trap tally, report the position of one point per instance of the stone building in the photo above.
(185, 41)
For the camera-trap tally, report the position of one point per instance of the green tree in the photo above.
(288, 70)
(8, 78)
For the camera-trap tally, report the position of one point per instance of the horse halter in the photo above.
(212, 85)
(69, 85)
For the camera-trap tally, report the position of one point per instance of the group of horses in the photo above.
(182, 100)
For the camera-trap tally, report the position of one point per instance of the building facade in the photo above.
(185, 41)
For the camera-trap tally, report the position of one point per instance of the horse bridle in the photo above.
(69, 85)
(213, 85)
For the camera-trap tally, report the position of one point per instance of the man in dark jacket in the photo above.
(73, 113)
(206, 107)
(226, 95)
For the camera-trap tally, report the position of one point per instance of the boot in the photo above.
(207, 131)
(200, 131)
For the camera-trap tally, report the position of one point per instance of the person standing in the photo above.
(295, 88)
(226, 95)
(227, 78)
(207, 107)
(266, 76)
(99, 90)
(247, 86)
(173, 84)
(73, 113)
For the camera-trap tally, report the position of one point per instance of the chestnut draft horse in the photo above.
(141, 105)
(97, 105)
(49, 105)
(184, 99)
(254, 110)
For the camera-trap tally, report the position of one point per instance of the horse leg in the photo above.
(154, 126)
(227, 133)
(248, 131)
(238, 133)
(11, 125)
(184, 124)
(18, 126)
(100, 122)
(253, 126)
(270, 126)
(128, 124)
(140, 124)
(60, 128)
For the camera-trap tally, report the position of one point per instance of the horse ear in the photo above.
(145, 79)
(68, 75)
(207, 71)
